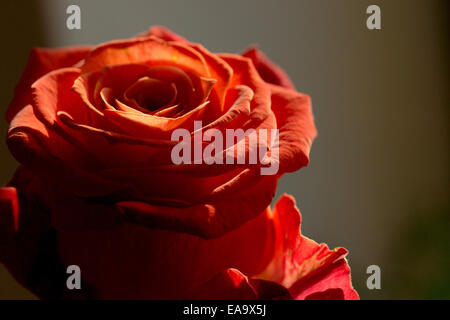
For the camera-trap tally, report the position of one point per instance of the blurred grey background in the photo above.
(378, 179)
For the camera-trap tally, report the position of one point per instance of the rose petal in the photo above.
(239, 98)
(226, 285)
(269, 71)
(301, 264)
(149, 50)
(326, 282)
(244, 73)
(115, 150)
(31, 255)
(40, 62)
(132, 262)
(120, 78)
(164, 34)
(330, 294)
(231, 284)
(166, 185)
(148, 126)
(296, 127)
(151, 94)
(219, 71)
(219, 214)
(53, 92)
(47, 153)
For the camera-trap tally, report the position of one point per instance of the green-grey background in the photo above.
(378, 179)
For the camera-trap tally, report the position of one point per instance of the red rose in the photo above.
(92, 129)
(97, 122)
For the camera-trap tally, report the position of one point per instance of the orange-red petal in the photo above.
(296, 127)
(306, 268)
(269, 71)
(40, 62)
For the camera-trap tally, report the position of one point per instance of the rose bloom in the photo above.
(91, 127)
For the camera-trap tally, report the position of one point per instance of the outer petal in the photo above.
(308, 269)
(244, 73)
(163, 33)
(53, 93)
(296, 127)
(31, 255)
(9, 213)
(40, 62)
(231, 284)
(269, 71)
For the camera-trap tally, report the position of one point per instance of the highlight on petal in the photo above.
(40, 62)
(148, 50)
(116, 150)
(220, 71)
(57, 91)
(269, 71)
(244, 73)
(52, 91)
(295, 122)
(306, 268)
